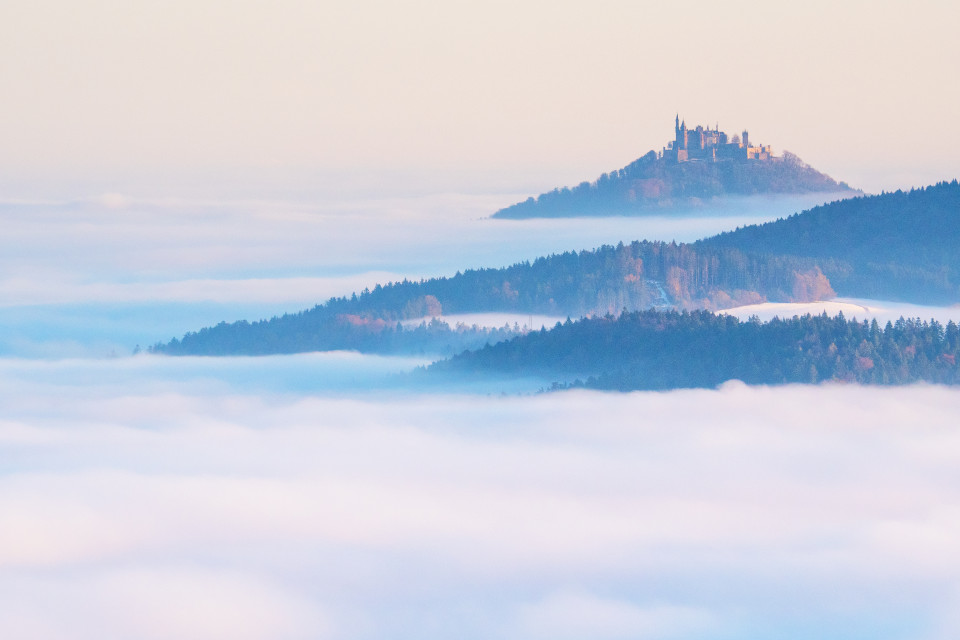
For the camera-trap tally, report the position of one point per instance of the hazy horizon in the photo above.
(217, 99)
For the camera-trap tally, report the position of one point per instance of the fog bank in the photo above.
(861, 309)
(143, 506)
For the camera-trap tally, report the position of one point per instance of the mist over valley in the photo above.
(382, 321)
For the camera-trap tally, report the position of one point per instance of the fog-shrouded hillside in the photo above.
(651, 184)
(666, 350)
(636, 276)
(901, 246)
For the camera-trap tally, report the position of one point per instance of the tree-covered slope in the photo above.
(897, 246)
(666, 350)
(322, 329)
(652, 184)
(903, 245)
(600, 281)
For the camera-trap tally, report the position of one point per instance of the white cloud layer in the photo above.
(139, 498)
(301, 292)
(288, 251)
(577, 615)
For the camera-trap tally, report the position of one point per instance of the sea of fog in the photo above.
(182, 499)
(334, 495)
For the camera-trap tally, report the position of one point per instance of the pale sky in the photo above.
(177, 96)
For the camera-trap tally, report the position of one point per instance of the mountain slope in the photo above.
(651, 184)
(901, 245)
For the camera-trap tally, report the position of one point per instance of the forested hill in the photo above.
(902, 245)
(651, 184)
(667, 350)
(636, 276)
(899, 245)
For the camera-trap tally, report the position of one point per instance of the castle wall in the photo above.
(706, 144)
(759, 153)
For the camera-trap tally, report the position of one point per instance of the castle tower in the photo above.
(680, 134)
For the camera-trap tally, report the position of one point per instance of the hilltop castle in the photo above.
(705, 144)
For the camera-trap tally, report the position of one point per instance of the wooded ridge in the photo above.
(671, 349)
(898, 246)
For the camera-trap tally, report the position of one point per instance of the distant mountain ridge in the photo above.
(903, 245)
(698, 165)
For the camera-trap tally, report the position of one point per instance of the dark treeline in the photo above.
(667, 350)
(299, 333)
(651, 184)
(902, 245)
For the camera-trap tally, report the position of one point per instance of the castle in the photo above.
(705, 144)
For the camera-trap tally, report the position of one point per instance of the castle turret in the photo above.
(680, 134)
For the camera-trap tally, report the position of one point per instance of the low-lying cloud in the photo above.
(882, 311)
(297, 292)
(155, 504)
(118, 250)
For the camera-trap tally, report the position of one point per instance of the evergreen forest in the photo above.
(896, 246)
(673, 349)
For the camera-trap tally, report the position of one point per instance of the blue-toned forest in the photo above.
(895, 246)
(666, 350)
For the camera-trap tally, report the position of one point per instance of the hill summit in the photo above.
(698, 164)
